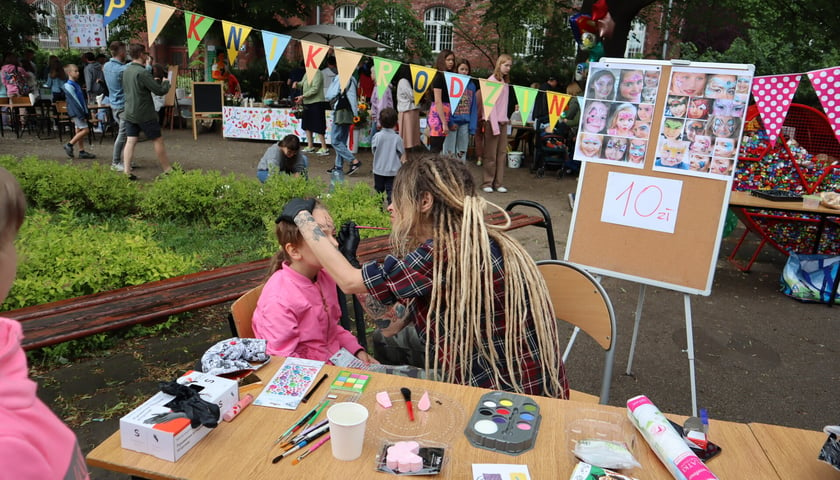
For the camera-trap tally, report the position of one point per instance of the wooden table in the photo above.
(745, 205)
(243, 448)
(793, 452)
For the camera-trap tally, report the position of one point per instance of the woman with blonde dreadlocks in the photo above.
(488, 327)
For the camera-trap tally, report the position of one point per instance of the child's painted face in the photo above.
(463, 69)
(641, 129)
(603, 86)
(687, 83)
(693, 127)
(672, 153)
(636, 152)
(728, 108)
(677, 105)
(625, 120)
(721, 166)
(651, 79)
(698, 163)
(698, 108)
(724, 126)
(720, 86)
(742, 85)
(590, 144)
(724, 147)
(630, 87)
(615, 148)
(672, 129)
(325, 222)
(645, 112)
(649, 95)
(596, 118)
(702, 145)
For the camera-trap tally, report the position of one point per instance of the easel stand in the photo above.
(689, 336)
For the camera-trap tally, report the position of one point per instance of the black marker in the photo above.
(314, 387)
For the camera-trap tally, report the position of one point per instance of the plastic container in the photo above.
(504, 422)
(810, 201)
(515, 159)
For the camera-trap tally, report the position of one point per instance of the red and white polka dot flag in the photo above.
(773, 95)
(826, 83)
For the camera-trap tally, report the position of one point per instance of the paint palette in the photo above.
(504, 422)
(351, 381)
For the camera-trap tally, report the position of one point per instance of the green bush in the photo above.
(60, 256)
(222, 202)
(358, 202)
(87, 189)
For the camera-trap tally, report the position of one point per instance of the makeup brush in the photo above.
(406, 393)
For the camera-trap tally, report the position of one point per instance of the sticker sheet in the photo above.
(288, 386)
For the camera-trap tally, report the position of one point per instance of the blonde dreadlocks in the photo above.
(461, 309)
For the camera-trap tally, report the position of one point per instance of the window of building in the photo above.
(438, 26)
(73, 8)
(636, 40)
(48, 40)
(529, 39)
(345, 17)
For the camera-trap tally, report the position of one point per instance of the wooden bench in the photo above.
(56, 322)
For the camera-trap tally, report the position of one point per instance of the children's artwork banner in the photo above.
(85, 31)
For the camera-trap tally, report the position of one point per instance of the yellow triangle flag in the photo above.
(235, 35)
(421, 80)
(556, 106)
(313, 55)
(346, 62)
(490, 92)
(157, 15)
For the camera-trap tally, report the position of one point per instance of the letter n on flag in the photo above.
(556, 106)
(235, 35)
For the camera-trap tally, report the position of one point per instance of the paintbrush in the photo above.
(406, 393)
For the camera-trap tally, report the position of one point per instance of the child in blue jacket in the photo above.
(465, 116)
(77, 111)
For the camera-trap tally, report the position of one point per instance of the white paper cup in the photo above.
(347, 429)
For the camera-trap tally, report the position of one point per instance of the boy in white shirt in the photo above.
(388, 148)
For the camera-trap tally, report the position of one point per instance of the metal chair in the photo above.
(578, 299)
(242, 311)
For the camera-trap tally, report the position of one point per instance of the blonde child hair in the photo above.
(497, 72)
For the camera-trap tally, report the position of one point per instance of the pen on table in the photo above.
(300, 445)
(311, 449)
(314, 387)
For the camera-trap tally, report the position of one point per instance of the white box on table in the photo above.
(170, 440)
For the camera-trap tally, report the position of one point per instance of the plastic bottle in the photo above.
(336, 178)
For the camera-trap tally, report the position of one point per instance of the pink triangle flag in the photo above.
(773, 95)
(826, 83)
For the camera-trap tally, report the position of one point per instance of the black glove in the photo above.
(295, 206)
(187, 400)
(348, 242)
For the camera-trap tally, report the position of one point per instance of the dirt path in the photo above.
(760, 356)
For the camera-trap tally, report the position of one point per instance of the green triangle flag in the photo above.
(525, 97)
(197, 26)
(385, 70)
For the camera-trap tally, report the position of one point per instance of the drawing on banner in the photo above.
(85, 30)
(703, 121)
(651, 203)
(617, 113)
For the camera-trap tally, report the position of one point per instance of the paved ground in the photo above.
(761, 357)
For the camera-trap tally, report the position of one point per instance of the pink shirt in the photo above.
(499, 113)
(299, 317)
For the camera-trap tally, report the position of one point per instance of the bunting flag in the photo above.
(421, 80)
(526, 97)
(556, 106)
(385, 70)
(235, 35)
(490, 92)
(456, 85)
(275, 44)
(313, 55)
(773, 95)
(346, 61)
(197, 26)
(115, 8)
(825, 83)
(157, 15)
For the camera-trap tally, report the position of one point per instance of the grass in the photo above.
(211, 247)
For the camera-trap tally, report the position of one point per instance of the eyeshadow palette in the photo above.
(350, 381)
(504, 422)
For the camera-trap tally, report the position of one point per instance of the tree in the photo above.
(18, 25)
(395, 24)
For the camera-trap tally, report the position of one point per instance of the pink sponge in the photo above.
(403, 457)
(383, 399)
(424, 404)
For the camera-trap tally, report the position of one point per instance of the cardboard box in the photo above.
(171, 439)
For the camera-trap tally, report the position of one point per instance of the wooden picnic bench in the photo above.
(55, 322)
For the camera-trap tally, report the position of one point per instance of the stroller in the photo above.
(553, 149)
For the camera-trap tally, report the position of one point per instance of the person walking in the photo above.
(344, 106)
(113, 72)
(139, 85)
(77, 111)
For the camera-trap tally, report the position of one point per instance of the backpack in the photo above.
(19, 79)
